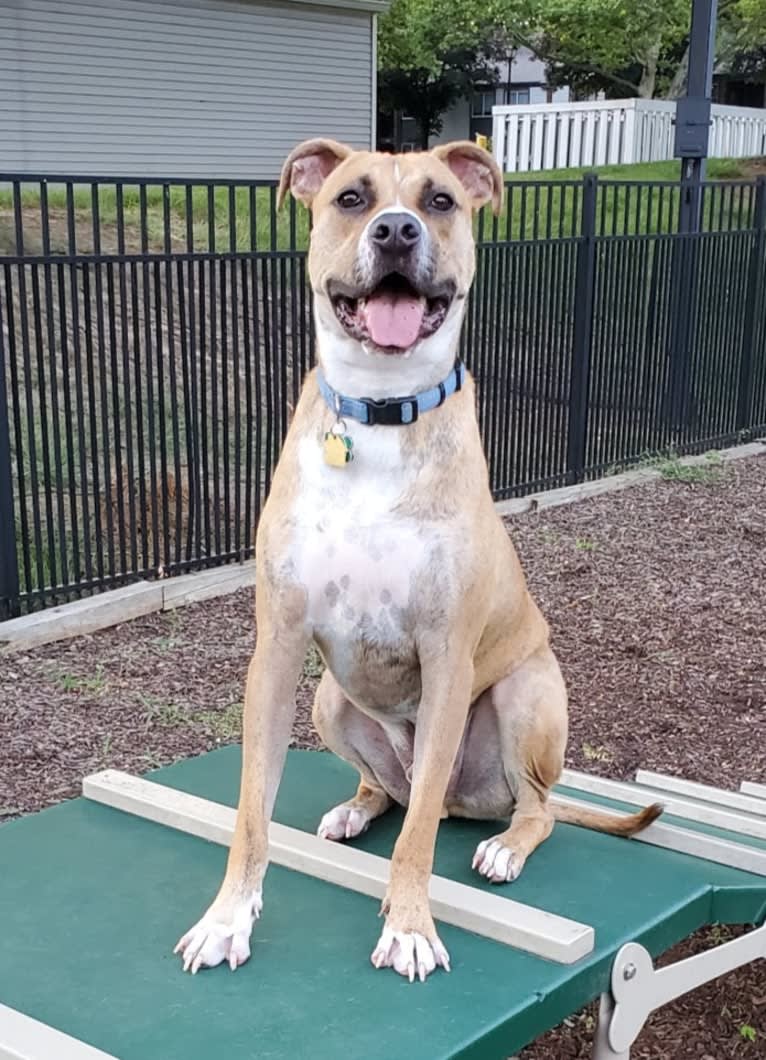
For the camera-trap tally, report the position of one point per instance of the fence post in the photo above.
(753, 308)
(679, 399)
(9, 570)
(582, 333)
(499, 126)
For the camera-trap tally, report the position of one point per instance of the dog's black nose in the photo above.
(399, 232)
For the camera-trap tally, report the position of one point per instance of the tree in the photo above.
(622, 47)
(740, 45)
(434, 52)
(751, 16)
(431, 53)
(625, 47)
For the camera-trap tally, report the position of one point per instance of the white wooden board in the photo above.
(23, 1038)
(733, 800)
(685, 840)
(692, 810)
(471, 908)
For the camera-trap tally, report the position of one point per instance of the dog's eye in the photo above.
(349, 200)
(442, 202)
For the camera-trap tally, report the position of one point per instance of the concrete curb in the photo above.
(121, 605)
(144, 598)
(584, 491)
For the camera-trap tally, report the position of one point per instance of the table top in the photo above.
(92, 902)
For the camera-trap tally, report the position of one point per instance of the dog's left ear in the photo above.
(308, 166)
(476, 170)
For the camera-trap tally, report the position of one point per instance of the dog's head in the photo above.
(392, 255)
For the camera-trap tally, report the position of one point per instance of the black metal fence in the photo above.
(154, 335)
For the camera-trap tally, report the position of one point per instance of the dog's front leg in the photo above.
(223, 933)
(409, 942)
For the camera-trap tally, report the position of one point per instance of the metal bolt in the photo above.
(629, 972)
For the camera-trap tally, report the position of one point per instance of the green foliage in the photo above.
(750, 16)
(419, 34)
(742, 39)
(618, 42)
(93, 683)
(431, 54)
(748, 1033)
(708, 474)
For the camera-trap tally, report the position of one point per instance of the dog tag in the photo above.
(338, 448)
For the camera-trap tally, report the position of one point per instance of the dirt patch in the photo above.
(753, 167)
(656, 598)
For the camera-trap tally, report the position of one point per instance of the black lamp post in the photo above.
(691, 146)
(693, 111)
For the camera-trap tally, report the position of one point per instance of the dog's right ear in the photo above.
(307, 168)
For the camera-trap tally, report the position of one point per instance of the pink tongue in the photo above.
(394, 319)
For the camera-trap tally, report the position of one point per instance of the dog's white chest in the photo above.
(357, 554)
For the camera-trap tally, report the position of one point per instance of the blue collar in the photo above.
(391, 411)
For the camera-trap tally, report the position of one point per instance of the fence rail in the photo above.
(544, 136)
(154, 336)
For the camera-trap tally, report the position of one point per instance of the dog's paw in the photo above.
(410, 953)
(223, 934)
(344, 822)
(497, 861)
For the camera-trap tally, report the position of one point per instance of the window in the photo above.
(482, 103)
(516, 96)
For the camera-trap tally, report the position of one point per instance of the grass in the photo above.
(242, 219)
(224, 725)
(167, 715)
(173, 638)
(707, 474)
(717, 169)
(95, 683)
(532, 212)
(671, 466)
(227, 220)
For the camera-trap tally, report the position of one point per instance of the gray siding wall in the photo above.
(178, 87)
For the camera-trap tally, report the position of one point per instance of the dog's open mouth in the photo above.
(392, 316)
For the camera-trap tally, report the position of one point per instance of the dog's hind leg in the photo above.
(362, 742)
(531, 709)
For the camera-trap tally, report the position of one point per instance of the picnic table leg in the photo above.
(602, 1050)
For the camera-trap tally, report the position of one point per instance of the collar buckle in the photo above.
(390, 412)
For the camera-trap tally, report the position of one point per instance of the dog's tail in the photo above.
(612, 823)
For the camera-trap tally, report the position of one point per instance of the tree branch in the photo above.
(583, 68)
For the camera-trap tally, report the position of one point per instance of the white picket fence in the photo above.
(544, 136)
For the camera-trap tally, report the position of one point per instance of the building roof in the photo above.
(373, 6)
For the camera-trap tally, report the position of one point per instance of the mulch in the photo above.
(656, 598)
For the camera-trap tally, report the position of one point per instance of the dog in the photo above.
(380, 542)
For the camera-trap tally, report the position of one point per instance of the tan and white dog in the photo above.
(441, 687)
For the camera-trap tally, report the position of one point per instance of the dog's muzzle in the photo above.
(397, 303)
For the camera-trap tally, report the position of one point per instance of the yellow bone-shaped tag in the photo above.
(338, 449)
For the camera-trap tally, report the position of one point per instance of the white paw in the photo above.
(344, 822)
(409, 953)
(496, 861)
(220, 936)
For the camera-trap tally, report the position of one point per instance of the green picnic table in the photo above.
(92, 901)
